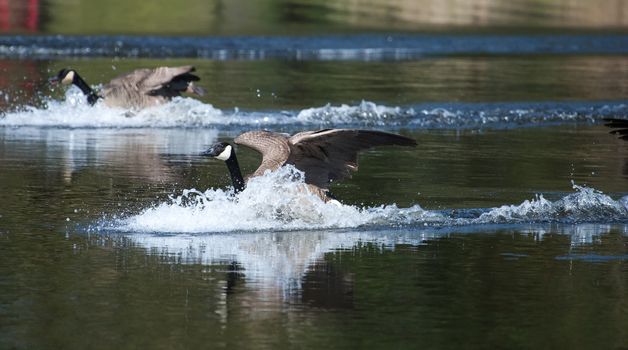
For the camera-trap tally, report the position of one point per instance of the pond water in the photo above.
(507, 226)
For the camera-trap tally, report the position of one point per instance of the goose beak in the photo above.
(209, 153)
(220, 151)
(53, 81)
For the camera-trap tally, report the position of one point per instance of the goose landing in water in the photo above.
(323, 156)
(138, 89)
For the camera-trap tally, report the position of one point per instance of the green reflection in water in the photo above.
(64, 288)
(104, 292)
(280, 85)
(112, 172)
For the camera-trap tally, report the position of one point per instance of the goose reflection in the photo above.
(275, 261)
(269, 272)
(279, 261)
(134, 152)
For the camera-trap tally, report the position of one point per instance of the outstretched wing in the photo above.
(619, 126)
(152, 79)
(273, 147)
(332, 154)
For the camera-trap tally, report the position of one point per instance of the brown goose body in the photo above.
(324, 156)
(140, 88)
(149, 87)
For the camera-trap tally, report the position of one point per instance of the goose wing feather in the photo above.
(273, 147)
(332, 154)
(150, 79)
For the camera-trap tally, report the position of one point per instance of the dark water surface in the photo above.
(507, 227)
(75, 274)
(280, 84)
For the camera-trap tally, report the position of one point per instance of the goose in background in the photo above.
(619, 126)
(138, 89)
(324, 156)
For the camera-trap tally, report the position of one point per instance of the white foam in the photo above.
(585, 205)
(74, 112)
(275, 201)
(366, 113)
(207, 227)
(279, 201)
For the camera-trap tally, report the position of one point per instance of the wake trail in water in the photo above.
(74, 112)
(278, 201)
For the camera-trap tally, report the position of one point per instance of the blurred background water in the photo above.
(506, 227)
(281, 17)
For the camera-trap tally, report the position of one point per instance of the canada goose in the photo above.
(324, 156)
(619, 126)
(138, 89)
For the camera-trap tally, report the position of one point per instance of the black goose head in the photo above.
(65, 77)
(225, 152)
(221, 150)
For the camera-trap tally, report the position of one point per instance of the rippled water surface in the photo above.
(506, 227)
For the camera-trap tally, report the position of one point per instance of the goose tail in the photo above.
(197, 90)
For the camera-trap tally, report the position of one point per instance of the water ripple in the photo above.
(337, 47)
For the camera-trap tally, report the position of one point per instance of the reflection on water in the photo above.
(20, 15)
(277, 85)
(274, 16)
(410, 14)
(20, 82)
(135, 152)
(436, 288)
(280, 261)
(449, 169)
(306, 288)
(270, 260)
(66, 282)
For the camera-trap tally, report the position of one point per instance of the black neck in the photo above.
(92, 97)
(236, 174)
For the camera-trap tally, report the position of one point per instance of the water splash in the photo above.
(585, 205)
(275, 201)
(279, 201)
(366, 113)
(251, 228)
(74, 112)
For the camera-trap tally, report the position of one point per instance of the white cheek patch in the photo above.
(224, 155)
(68, 78)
